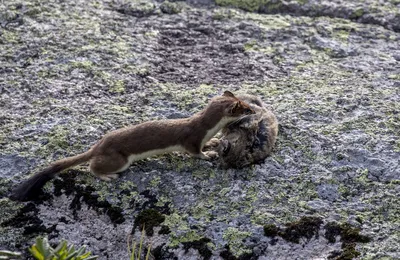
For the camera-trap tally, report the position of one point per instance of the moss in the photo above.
(235, 238)
(148, 219)
(357, 13)
(248, 5)
(85, 65)
(170, 7)
(186, 237)
(302, 2)
(271, 230)
(58, 139)
(223, 13)
(155, 181)
(118, 86)
(201, 245)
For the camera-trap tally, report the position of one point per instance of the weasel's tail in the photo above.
(32, 186)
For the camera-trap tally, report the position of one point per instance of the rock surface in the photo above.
(72, 70)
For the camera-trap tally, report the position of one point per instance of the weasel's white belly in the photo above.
(141, 156)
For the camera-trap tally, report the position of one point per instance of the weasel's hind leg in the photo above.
(106, 167)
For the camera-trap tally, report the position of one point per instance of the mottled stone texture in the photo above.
(330, 70)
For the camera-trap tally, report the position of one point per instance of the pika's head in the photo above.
(234, 107)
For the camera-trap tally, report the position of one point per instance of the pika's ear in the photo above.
(228, 94)
(234, 107)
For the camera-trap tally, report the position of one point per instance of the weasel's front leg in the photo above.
(209, 155)
(213, 143)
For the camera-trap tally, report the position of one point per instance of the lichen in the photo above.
(147, 220)
(234, 238)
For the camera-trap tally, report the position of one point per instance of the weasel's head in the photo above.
(234, 107)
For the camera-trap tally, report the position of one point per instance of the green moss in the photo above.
(223, 13)
(189, 236)
(155, 181)
(58, 139)
(148, 219)
(357, 13)
(86, 65)
(118, 87)
(248, 5)
(9, 37)
(234, 238)
(170, 7)
(302, 2)
(176, 221)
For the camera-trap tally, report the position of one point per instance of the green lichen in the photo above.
(170, 7)
(85, 64)
(357, 13)
(248, 5)
(234, 238)
(155, 181)
(186, 237)
(118, 87)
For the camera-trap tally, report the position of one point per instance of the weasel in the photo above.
(116, 151)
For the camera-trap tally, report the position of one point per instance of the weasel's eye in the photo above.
(248, 111)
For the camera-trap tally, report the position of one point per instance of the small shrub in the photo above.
(135, 255)
(43, 251)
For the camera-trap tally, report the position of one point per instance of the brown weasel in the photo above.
(118, 149)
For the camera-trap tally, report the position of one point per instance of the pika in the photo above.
(116, 151)
(248, 140)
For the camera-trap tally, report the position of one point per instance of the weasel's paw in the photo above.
(212, 155)
(214, 142)
(108, 177)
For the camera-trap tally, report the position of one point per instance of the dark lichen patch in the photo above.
(161, 253)
(271, 230)
(83, 193)
(201, 246)
(305, 227)
(27, 218)
(148, 219)
(164, 230)
(152, 202)
(349, 236)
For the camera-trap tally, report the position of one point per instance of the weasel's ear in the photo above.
(228, 94)
(235, 107)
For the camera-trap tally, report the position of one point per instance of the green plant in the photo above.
(9, 255)
(133, 255)
(43, 251)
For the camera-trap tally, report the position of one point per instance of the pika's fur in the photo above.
(249, 140)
